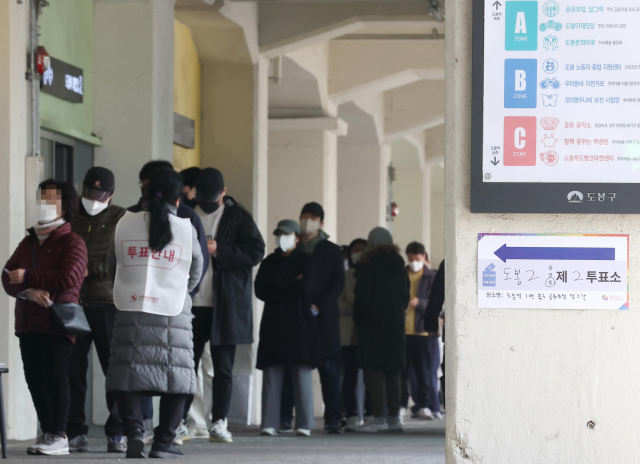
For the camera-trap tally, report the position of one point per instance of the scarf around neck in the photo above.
(44, 230)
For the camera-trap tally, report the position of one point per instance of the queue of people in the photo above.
(153, 286)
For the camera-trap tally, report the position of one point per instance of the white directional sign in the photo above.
(553, 271)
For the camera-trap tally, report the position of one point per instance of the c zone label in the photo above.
(520, 140)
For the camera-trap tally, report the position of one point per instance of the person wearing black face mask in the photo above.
(222, 309)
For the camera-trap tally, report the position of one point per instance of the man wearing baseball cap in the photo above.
(96, 223)
(222, 308)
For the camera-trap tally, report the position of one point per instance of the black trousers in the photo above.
(46, 368)
(350, 371)
(423, 355)
(330, 371)
(101, 319)
(223, 357)
(171, 407)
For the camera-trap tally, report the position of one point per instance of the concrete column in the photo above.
(133, 88)
(436, 249)
(363, 189)
(303, 168)
(533, 378)
(426, 208)
(246, 405)
(15, 121)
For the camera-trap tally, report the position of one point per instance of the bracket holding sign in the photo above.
(556, 107)
(553, 271)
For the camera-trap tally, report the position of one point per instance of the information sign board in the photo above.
(556, 106)
(553, 271)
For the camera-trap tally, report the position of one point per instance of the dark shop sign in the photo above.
(64, 81)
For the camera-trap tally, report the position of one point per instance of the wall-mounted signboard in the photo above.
(548, 271)
(64, 81)
(556, 106)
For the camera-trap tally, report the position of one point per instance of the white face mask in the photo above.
(286, 242)
(355, 257)
(310, 226)
(47, 213)
(92, 207)
(415, 266)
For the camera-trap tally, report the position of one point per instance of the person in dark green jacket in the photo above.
(381, 299)
(96, 223)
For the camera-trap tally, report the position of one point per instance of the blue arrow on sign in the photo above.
(556, 253)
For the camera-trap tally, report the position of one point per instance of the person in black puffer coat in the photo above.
(381, 299)
(288, 332)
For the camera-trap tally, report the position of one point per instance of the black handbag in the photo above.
(68, 317)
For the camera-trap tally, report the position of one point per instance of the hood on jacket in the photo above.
(386, 256)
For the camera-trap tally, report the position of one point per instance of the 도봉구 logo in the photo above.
(575, 197)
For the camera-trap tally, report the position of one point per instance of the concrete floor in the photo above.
(422, 442)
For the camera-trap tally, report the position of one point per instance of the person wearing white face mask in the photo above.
(423, 349)
(96, 223)
(288, 332)
(47, 268)
(328, 267)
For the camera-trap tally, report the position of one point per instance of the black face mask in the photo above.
(209, 206)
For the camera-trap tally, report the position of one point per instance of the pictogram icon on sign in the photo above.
(550, 158)
(550, 66)
(549, 123)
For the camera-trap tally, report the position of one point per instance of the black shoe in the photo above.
(162, 451)
(78, 444)
(334, 429)
(135, 446)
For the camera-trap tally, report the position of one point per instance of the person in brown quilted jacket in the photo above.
(47, 267)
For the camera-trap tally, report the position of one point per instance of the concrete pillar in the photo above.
(14, 146)
(522, 385)
(228, 126)
(133, 88)
(363, 189)
(303, 168)
(133, 103)
(436, 250)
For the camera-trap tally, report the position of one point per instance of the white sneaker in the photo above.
(438, 415)
(425, 414)
(375, 426)
(197, 433)
(352, 423)
(33, 449)
(303, 432)
(219, 433)
(403, 412)
(53, 445)
(269, 432)
(182, 434)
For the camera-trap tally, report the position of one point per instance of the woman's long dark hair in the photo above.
(164, 189)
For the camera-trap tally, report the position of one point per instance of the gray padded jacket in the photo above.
(151, 353)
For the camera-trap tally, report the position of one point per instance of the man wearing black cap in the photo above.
(189, 177)
(328, 268)
(96, 223)
(223, 308)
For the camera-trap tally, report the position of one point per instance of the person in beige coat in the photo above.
(349, 341)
